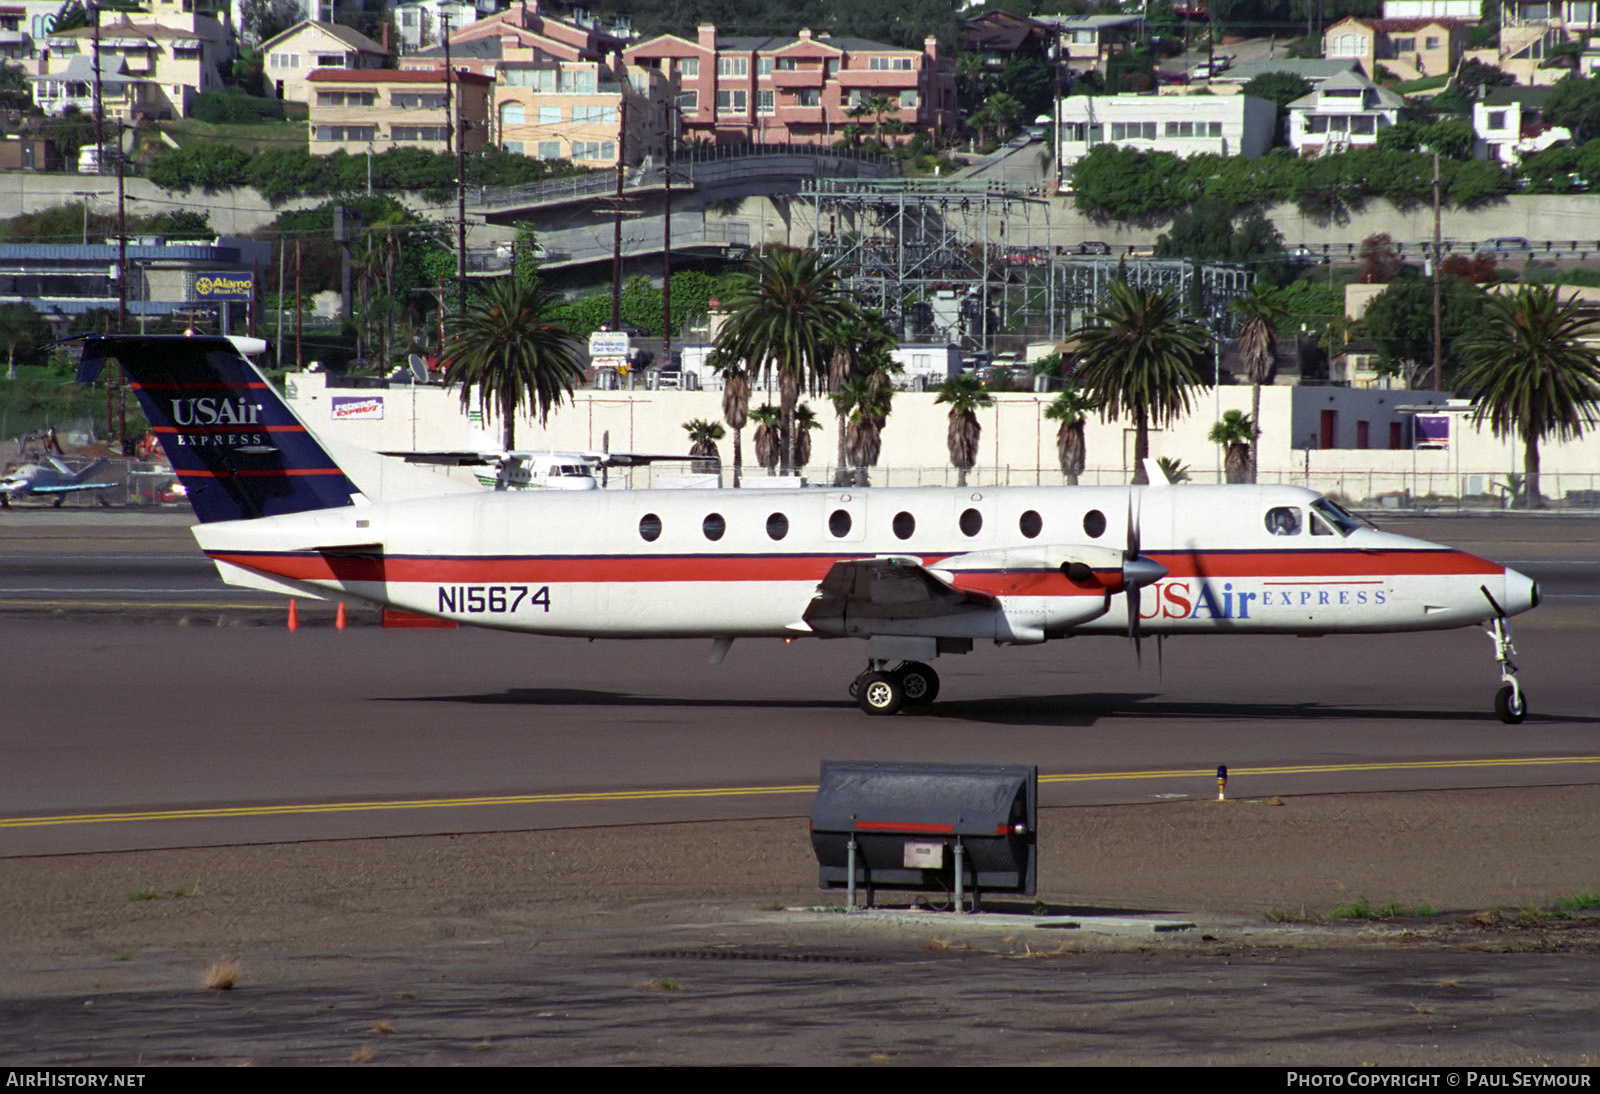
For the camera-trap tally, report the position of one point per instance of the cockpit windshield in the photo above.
(1341, 521)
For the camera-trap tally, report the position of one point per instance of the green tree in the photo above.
(1071, 408)
(1259, 311)
(1530, 373)
(779, 316)
(1139, 355)
(1236, 433)
(1400, 321)
(768, 419)
(1575, 103)
(1282, 88)
(22, 329)
(862, 403)
(703, 438)
(806, 423)
(735, 404)
(509, 353)
(965, 396)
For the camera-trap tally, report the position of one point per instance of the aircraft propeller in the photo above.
(1137, 572)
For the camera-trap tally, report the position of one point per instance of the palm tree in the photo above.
(1260, 311)
(1071, 408)
(510, 352)
(767, 418)
(1139, 355)
(863, 406)
(1235, 433)
(805, 421)
(735, 403)
(965, 395)
(780, 313)
(1530, 374)
(862, 346)
(703, 438)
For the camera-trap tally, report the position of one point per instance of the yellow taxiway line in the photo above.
(599, 796)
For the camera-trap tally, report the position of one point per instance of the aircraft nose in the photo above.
(1142, 571)
(1522, 592)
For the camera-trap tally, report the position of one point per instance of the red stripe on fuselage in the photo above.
(1310, 565)
(254, 385)
(1307, 565)
(228, 429)
(184, 473)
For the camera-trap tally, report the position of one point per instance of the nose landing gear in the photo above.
(881, 692)
(1510, 704)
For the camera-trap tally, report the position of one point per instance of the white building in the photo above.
(1185, 125)
(1467, 10)
(421, 22)
(1509, 124)
(1347, 111)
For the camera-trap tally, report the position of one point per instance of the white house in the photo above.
(1509, 124)
(421, 22)
(291, 57)
(1346, 111)
(1186, 125)
(1467, 10)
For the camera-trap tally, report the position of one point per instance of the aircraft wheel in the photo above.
(1511, 705)
(920, 683)
(880, 693)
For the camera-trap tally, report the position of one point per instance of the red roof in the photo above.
(1400, 26)
(393, 76)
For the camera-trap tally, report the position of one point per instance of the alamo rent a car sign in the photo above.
(225, 286)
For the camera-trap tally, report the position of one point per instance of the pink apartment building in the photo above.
(802, 90)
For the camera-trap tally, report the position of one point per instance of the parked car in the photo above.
(1094, 247)
(1507, 245)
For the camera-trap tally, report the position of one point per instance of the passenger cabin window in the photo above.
(1284, 520)
(649, 527)
(714, 526)
(777, 526)
(1031, 524)
(904, 525)
(971, 522)
(839, 523)
(1094, 524)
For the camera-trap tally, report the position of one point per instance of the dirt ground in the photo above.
(709, 943)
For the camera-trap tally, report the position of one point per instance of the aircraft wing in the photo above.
(894, 587)
(635, 459)
(69, 488)
(450, 457)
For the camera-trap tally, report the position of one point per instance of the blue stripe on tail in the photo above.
(238, 449)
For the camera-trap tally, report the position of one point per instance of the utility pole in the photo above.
(461, 200)
(1439, 339)
(666, 243)
(122, 239)
(99, 102)
(449, 113)
(616, 218)
(299, 360)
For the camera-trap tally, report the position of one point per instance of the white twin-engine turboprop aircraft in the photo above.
(914, 572)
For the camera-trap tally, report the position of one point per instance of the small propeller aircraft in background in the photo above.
(55, 480)
(914, 573)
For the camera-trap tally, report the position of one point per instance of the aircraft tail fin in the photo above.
(233, 442)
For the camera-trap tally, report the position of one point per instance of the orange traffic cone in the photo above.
(294, 617)
(338, 620)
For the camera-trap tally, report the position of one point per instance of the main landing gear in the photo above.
(1509, 702)
(881, 691)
